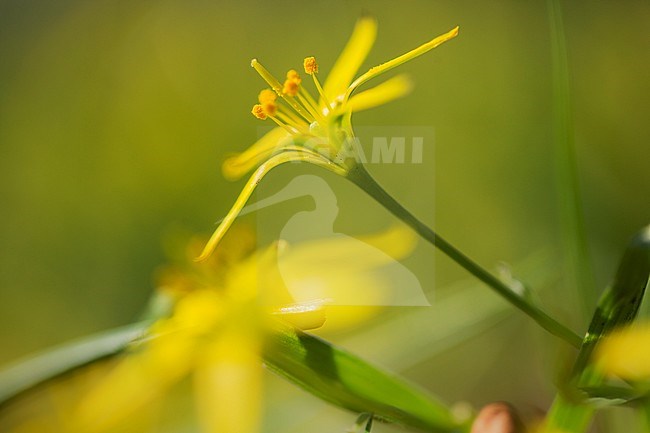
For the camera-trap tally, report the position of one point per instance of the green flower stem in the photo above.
(571, 416)
(359, 176)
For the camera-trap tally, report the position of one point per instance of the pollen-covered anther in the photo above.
(270, 108)
(311, 67)
(267, 96)
(294, 76)
(290, 87)
(259, 112)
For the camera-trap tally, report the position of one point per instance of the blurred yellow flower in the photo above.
(626, 353)
(316, 130)
(224, 308)
(215, 332)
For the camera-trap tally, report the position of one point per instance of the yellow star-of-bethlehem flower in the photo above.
(224, 309)
(317, 130)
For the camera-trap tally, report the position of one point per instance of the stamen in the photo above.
(291, 130)
(308, 97)
(293, 75)
(267, 101)
(290, 87)
(301, 127)
(310, 65)
(295, 120)
(258, 111)
(320, 91)
(286, 115)
(261, 113)
(311, 68)
(293, 88)
(270, 108)
(277, 87)
(267, 95)
(312, 109)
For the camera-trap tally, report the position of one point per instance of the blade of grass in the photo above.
(619, 305)
(574, 243)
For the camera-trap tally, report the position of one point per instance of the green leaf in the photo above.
(617, 307)
(612, 395)
(347, 381)
(574, 242)
(33, 371)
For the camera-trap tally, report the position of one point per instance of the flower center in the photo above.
(296, 111)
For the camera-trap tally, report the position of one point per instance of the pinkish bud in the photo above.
(497, 418)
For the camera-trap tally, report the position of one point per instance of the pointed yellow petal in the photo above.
(390, 90)
(353, 55)
(237, 166)
(373, 72)
(289, 156)
(228, 383)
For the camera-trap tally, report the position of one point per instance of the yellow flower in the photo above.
(225, 308)
(626, 353)
(214, 332)
(316, 130)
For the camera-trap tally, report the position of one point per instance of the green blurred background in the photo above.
(115, 117)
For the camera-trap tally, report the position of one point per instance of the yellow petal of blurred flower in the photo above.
(136, 381)
(228, 383)
(626, 353)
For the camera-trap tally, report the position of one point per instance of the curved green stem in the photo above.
(359, 176)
